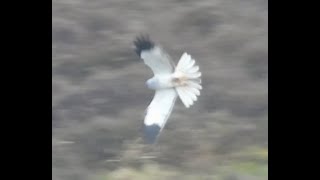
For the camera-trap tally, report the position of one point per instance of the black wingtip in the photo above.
(151, 133)
(142, 43)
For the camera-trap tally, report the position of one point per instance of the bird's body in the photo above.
(160, 82)
(169, 82)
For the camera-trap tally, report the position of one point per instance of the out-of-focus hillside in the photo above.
(99, 93)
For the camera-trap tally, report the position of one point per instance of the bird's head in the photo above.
(152, 83)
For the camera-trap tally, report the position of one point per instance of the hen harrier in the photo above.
(169, 82)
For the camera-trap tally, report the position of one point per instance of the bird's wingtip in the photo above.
(143, 42)
(151, 133)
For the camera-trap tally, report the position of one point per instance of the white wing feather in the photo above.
(160, 107)
(158, 61)
(159, 111)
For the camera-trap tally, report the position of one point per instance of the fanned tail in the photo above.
(189, 78)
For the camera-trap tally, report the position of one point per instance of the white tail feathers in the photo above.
(190, 80)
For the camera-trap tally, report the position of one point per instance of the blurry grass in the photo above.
(148, 171)
(237, 170)
(250, 163)
(253, 153)
(245, 169)
(251, 168)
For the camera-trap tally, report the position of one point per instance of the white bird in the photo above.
(169, 82)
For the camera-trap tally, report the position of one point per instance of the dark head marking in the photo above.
(142, 43)
(151, 133)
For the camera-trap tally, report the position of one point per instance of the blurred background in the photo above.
(99, 94)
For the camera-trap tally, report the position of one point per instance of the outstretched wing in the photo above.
(158, 113)
(153, 56)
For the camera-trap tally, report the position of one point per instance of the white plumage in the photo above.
(169, 82)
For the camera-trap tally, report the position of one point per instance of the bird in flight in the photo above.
(169, 82)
